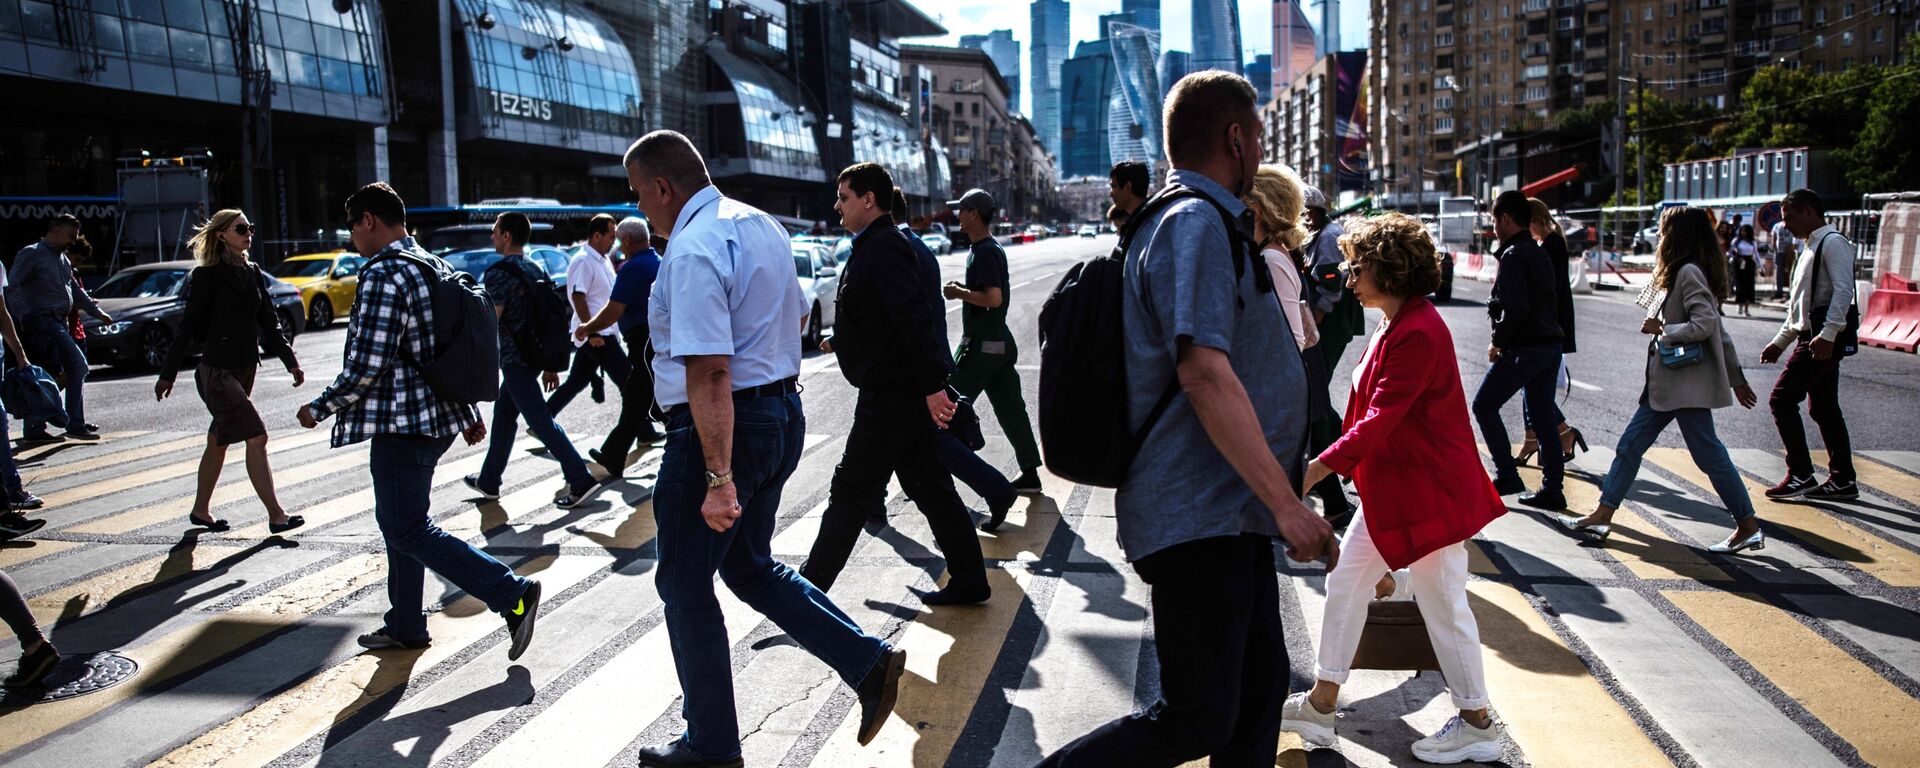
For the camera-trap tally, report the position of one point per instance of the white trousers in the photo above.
(1440, 588)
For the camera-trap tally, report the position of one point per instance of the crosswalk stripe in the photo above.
(1539, 687)
(360, 502)
(65, 497)
(1082, 673)
(13, 554)
(949, 653)
(1895, 565)
(233, 488)
(1850, 698)
(1703, 520)
(77, 600)
(1893, 482)
(330, 696)
(116, 458)
(106, 438)
(1880, 514)
(183, 651)
(1647, 551)
(1905, 461)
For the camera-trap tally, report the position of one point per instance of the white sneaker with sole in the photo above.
(1458, 742)
(1315, 727)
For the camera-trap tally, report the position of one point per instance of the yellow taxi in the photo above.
(327, 282)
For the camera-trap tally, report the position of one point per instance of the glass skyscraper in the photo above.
(1216, 36)
(1050, 36)
(1086, 93)
(1146, 13)
(1133, 118)
(1005, 52)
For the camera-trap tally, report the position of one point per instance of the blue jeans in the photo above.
(49, 343)
(402, 467)
(768, 435)
(967, 467)
(1536, 370)
(520, 396)
(1709, 454)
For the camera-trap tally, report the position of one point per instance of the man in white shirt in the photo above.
(589, 284)
(725, 316)
(1817, 317)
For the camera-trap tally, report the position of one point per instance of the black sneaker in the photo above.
(958, 594)
(577, 496)
(14, 525)
(614, 469)
(1793, 487)
(1835, 490)
(38, 437)
(473, 482)
(34, 667)
(380, 640)
(84, 432)
(520, 621)
(26, 500)
(878, 691)
(1508, 486)
(994, 518)
(1027, 483)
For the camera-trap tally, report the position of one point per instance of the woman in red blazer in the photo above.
(1409, 447)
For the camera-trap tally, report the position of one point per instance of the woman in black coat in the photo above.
(230, 314)
(1744, 258)
(1547, 232)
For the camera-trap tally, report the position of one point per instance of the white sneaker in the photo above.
(1458, 742)
(1315, 727)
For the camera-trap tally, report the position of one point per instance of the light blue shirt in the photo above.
(726, 287)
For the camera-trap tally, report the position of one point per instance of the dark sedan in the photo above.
(146, 304)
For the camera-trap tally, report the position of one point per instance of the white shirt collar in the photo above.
(694, 204)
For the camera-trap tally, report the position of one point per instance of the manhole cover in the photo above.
(76, 675)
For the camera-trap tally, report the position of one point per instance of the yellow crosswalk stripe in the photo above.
(235, 486)
(1554, 710)
(177, 469)
(1643, 548)
(39, 451)
(116, 458)
(1858, 704)
(76, 600)
(1839, 539)
(329, 696)
(180, 652)
(949, 653)
(1029, 524)
(361, 501)
(15, 553)
(1880, 477)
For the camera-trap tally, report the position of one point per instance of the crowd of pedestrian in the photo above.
(1240, 293)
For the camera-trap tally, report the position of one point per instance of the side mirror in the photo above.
(827, 272)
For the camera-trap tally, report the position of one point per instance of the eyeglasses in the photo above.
(243, 229)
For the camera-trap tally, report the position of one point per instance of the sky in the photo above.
(967, 17)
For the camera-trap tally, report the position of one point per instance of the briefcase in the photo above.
(1395, 638)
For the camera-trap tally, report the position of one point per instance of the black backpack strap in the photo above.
(1241, 245)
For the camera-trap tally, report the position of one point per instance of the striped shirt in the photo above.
(378, 392)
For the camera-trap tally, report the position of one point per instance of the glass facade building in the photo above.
(1050, 46)
(548, 73)
(1005, 52)
(1216, 35)
(754, 108)
(1133, 119)
(1086, 93)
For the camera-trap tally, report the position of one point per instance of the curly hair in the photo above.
(1276, 195)
(1397, 251)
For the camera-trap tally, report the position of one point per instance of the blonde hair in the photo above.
(1276, 193)
(1542, 215)
(208, 247)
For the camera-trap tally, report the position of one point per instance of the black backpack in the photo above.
(544, 341)
(466, 369)
(1084, 431)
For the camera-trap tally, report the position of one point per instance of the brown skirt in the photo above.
(227, 394)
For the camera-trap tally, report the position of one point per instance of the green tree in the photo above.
(1883, 157)
(1782, 107)
(1667, 132)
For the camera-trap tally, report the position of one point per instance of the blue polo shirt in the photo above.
(630, 287)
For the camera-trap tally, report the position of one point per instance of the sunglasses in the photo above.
(243, 230)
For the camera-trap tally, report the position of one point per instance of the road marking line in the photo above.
(39, 451)
(1578, 384)
(87, 597)
(1893, 482)
(172, 471)
(236, 487)
(361, 501)
(43, 474)
(28, 550)
(1849, 697)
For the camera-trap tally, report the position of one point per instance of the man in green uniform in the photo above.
(987, 353)
(1340, 319)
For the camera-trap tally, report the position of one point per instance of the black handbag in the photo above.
(965, 425)
(1847, 343)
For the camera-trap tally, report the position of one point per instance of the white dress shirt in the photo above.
(1809, 291)
(591, 275)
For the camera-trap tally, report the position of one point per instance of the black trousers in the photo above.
(1223, 662)
(1534, 370)
(637, 409)
(588, 361)
(1817, 382)
(893, 434)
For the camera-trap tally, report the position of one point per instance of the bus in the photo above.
(445, 229)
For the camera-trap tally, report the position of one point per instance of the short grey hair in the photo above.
(633, 227)
(669, 155)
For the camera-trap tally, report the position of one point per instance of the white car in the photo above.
(1649, 238)
(937, 241)
(1039, 232)
(1089, 230)
(819, 282)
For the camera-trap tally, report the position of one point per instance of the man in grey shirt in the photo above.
(42, 292)
(1215, 479)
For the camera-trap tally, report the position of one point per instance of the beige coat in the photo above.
(1692, 316)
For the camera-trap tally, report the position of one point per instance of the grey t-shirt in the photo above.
(1180, 282)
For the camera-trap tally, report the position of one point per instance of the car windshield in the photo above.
(803, 264)
(301, 268)
(472, 262)
(142, 284)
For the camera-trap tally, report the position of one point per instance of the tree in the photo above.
(1884, 157)
(1782, 107)
(1668, 132)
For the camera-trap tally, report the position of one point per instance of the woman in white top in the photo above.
(1276, 203)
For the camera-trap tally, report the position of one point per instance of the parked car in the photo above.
(328, 283)
(475, 262)
(937, 241)
(147, 303)
(837, 255)
(473, 237)
(1038, 231)
(1089, 230)
(1648, 238)
(819, 282)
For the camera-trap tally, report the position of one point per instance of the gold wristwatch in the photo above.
(716, 481)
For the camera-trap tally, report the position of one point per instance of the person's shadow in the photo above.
(132, 614)
(417, 735)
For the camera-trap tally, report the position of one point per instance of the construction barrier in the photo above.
(1892, 317)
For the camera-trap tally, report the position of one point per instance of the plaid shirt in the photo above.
(378, 392)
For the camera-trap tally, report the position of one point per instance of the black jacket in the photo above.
(1556, 246)
(890, 326)
(227, 309)
(1525, 307)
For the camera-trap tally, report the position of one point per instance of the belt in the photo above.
(774, 389)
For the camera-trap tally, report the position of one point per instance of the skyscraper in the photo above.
(1005, 52)
(1146, 13)
(1329, 27)
(1133, 116)
(1294, 44)
(1173, 66)
(1260, 73)
(1049, 36)
(1087, 87)
(1216, 35)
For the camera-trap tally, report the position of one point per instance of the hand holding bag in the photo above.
(965, 424)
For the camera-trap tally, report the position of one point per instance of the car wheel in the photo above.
(286, 326)
(321, 315)
(155, 340)
(814, 331)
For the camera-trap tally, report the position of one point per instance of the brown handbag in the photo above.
(1395, 638)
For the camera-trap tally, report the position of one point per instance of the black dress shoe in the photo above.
(958, 594)
(994, 518)
(1508, 486)
(878, 691)
(675, 754)
(216, 526)
(613, 472)
(293, 521)
(1545, 499)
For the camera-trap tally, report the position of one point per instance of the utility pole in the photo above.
(1640, 154)
(1619, 157)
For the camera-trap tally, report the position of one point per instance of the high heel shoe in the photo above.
(1569, 438)
(1756, 542)
(1596, 531)
(1528, 448)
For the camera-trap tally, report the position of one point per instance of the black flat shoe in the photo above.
(878, 691)
(1553, 501)
(961, 594)
(675, 754)
(994, 518)
(293, 521)
(216, 526)
(613, 472)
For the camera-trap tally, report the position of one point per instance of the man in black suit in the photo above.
(889, 337)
